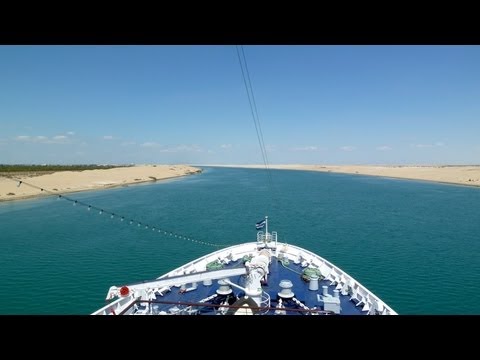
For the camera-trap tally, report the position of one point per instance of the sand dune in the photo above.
(72, 181)
(464, 175)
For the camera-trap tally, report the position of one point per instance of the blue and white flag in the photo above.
(260, 225)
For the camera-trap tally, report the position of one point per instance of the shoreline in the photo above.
(63, 182)
(466, 175)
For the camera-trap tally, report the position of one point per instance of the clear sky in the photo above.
(187, 104)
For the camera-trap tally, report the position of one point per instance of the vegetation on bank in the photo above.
(11, 169)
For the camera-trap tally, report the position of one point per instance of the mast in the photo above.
(266, 228)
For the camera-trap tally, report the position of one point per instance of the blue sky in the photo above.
(187, 104)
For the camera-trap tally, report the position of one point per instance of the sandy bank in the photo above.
(72, 181)
(463, 175)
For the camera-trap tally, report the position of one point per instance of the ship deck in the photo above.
(177, 302)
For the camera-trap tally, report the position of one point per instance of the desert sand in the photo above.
(453, 174)
(71, 181)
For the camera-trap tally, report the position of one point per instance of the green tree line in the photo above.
(53, 168)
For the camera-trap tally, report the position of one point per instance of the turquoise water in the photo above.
(414, 244)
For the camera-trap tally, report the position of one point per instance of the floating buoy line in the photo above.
(120, 217)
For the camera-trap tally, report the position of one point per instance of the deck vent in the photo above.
(224, 288)
(336, 293)
(286, 292)
(325, 290)
(207, 282)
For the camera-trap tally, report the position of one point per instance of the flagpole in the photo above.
(266, 227)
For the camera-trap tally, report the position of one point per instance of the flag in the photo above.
(260, 225)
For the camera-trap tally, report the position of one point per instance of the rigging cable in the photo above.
(253, 109)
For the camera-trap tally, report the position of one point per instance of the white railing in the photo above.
(261, 237)
(337, 276)
(116, 307)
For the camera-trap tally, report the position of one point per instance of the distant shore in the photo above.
(62, 182)
(452, 174)
(72, 181)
